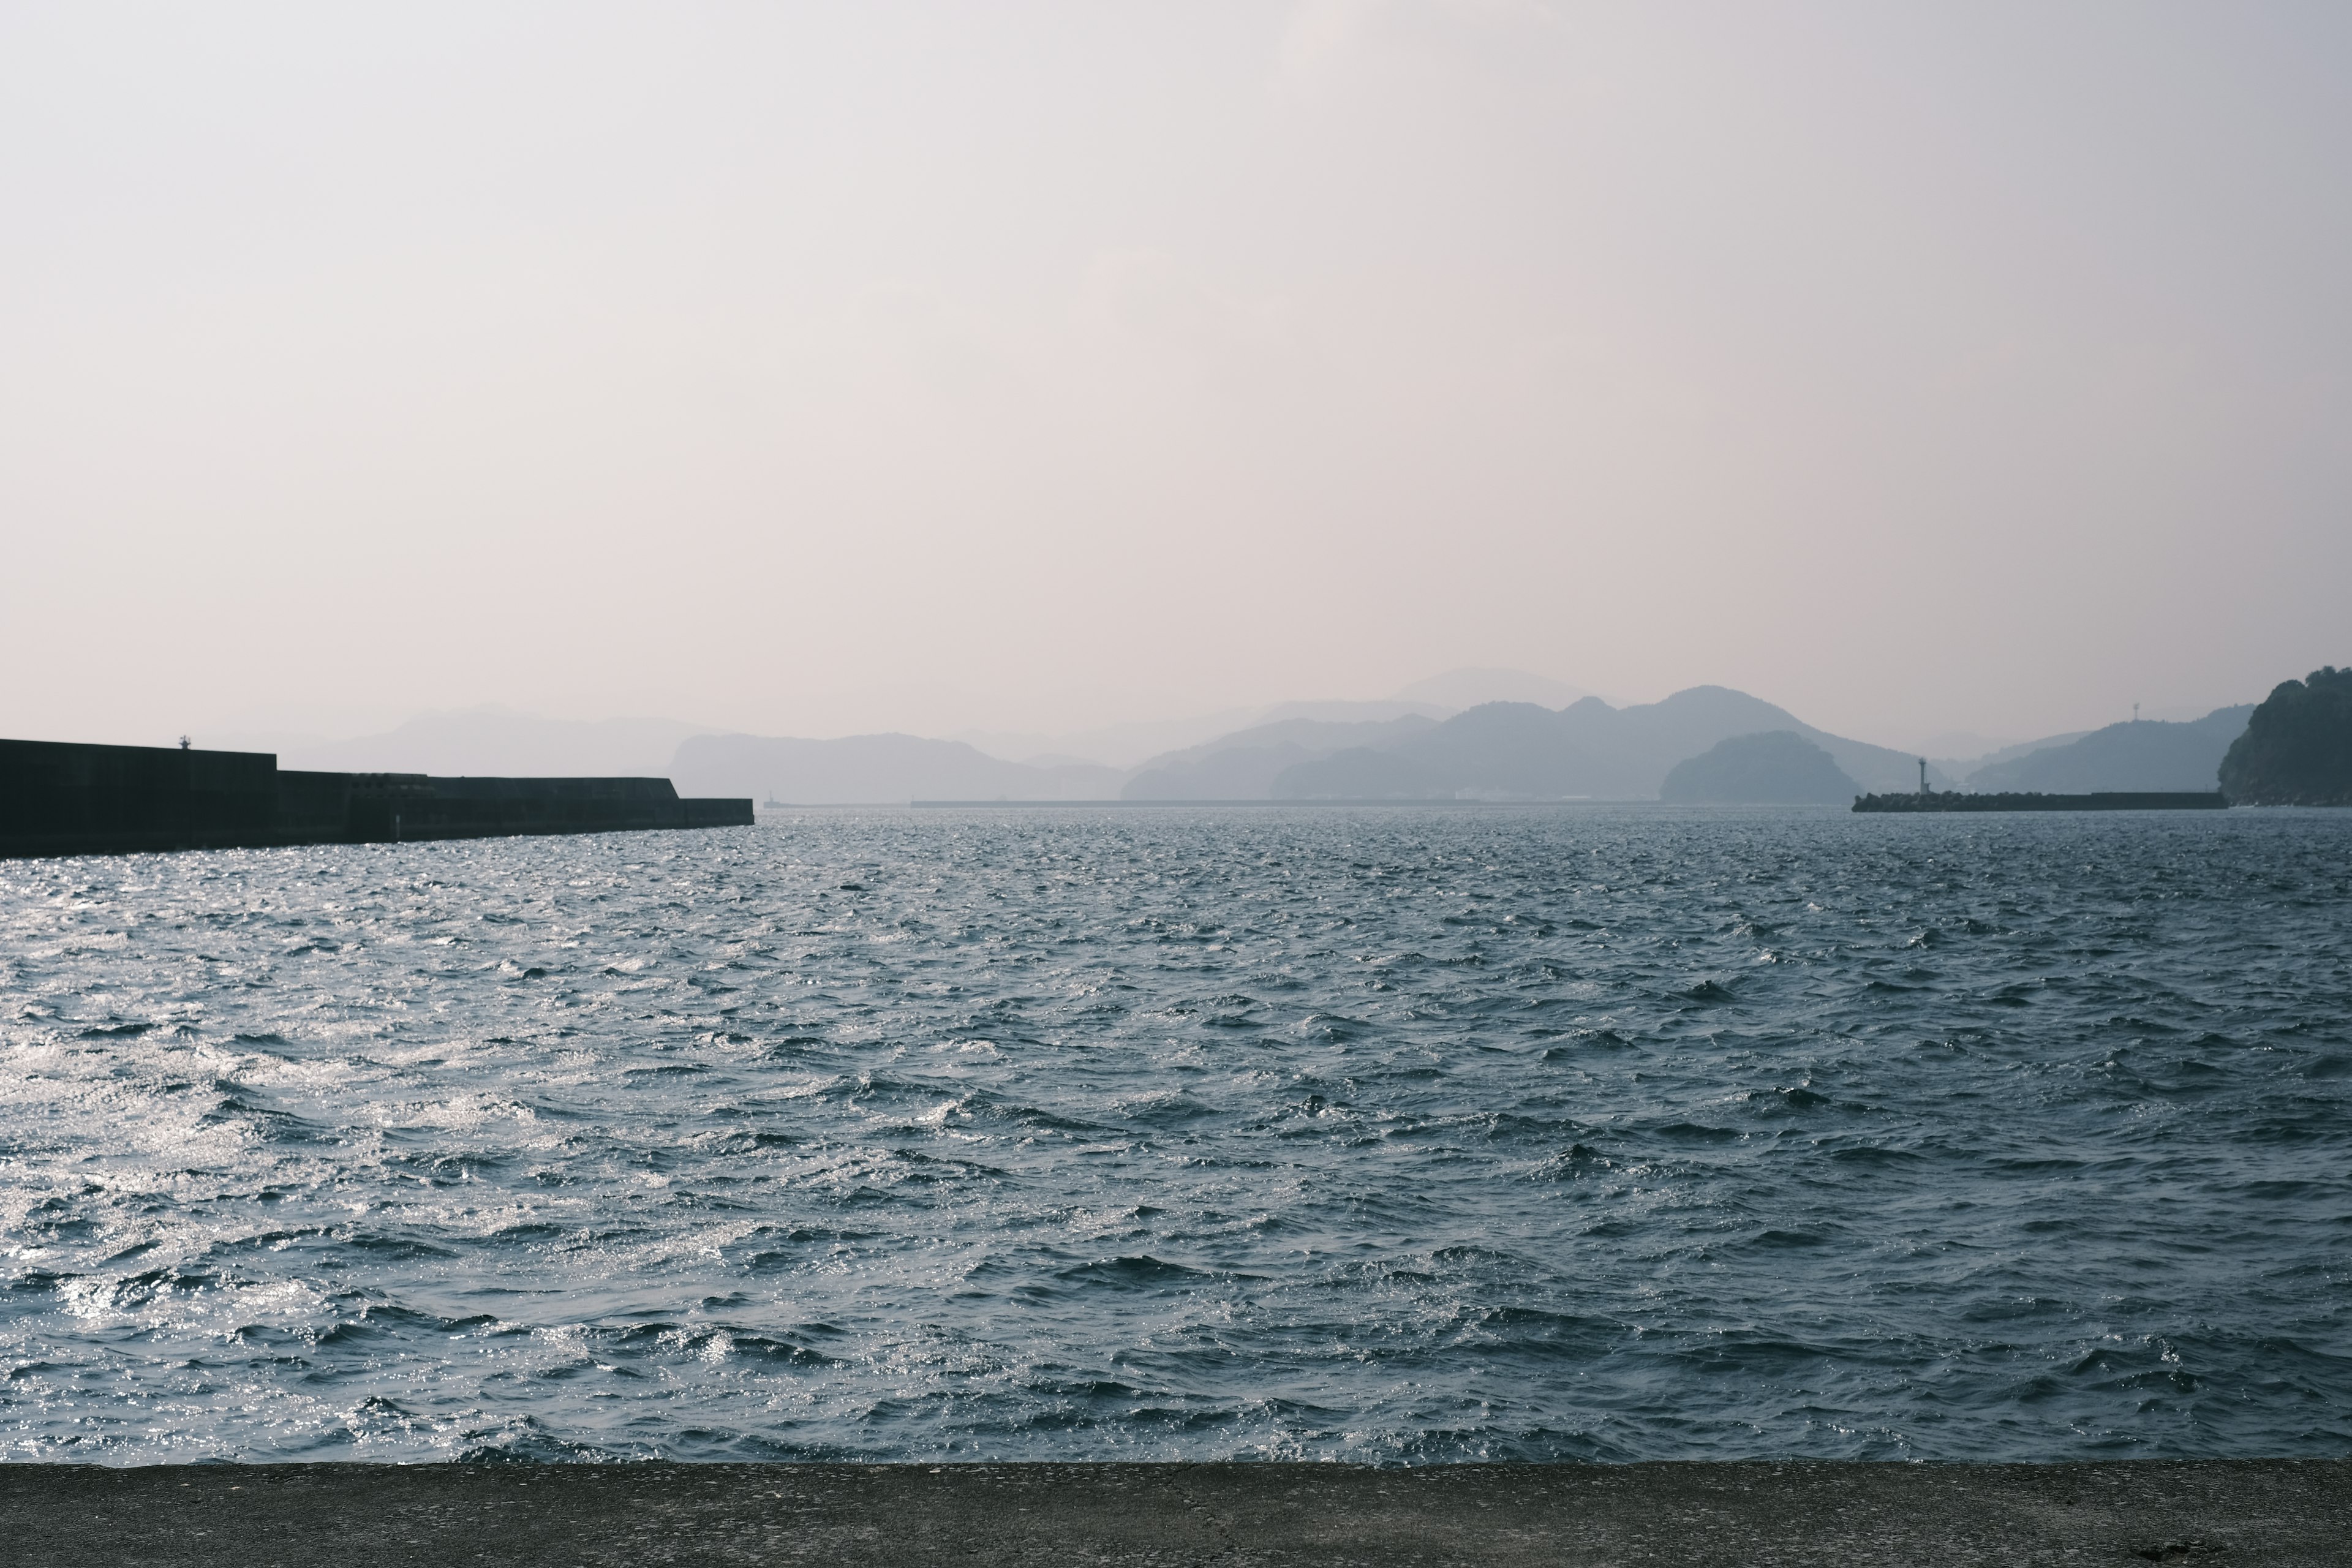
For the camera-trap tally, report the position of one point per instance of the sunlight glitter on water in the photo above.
(1392, 1135)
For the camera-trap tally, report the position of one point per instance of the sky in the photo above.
(817, 369)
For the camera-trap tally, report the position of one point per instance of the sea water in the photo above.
(1390, 1135)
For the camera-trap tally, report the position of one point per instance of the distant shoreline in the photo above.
(1443, 800)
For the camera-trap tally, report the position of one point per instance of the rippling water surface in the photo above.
(1390, 1135)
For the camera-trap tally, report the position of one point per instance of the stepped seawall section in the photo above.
(60, 798)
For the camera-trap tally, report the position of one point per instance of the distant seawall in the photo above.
(60, 798)
(2117, 800)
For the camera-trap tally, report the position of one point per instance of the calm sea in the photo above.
(1390, 1135)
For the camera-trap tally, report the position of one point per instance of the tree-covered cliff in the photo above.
(2297, 748)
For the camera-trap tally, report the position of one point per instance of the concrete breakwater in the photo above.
(60, 798)
(2278, 1513)
(2113, 800)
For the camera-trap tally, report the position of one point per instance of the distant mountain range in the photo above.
(1413, 746)
(1587, 750)
(1459, 688)
(1968, 767)
(497, 741)
(1134, 744)
(1496, 751)
(2144, 754)
(1250, 764)
(1779, 767)
(874, 769)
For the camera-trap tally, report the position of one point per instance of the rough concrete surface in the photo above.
(2276, 1513)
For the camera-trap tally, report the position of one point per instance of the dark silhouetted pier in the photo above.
(60, 798)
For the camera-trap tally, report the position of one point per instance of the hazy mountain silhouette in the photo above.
(1459, 688)
(872, 770)
(1107, 745)
(1142, 744)
(1967, 766)
(1777, 768)
(500, 742)
(1349, 712)
(2143, 754)
(1360, 773)
(1243, 765)
(1409, 746)
(2297, 746)
(1391, 750)
(1590, 749)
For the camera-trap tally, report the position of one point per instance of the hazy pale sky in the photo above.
(822, 368)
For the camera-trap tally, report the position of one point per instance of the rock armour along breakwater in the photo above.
(1391, 1135)
(2110, 800)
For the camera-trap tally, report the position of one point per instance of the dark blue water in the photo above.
(1389, 1135)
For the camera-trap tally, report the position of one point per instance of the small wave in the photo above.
(1696, 1132)
(1137, 1272)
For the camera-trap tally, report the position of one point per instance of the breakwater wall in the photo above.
(2119, 800)
(60, 798)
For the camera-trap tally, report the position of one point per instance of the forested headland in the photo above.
(2297, 748)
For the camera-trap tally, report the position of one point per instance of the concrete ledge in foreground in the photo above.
(2274, 1513)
